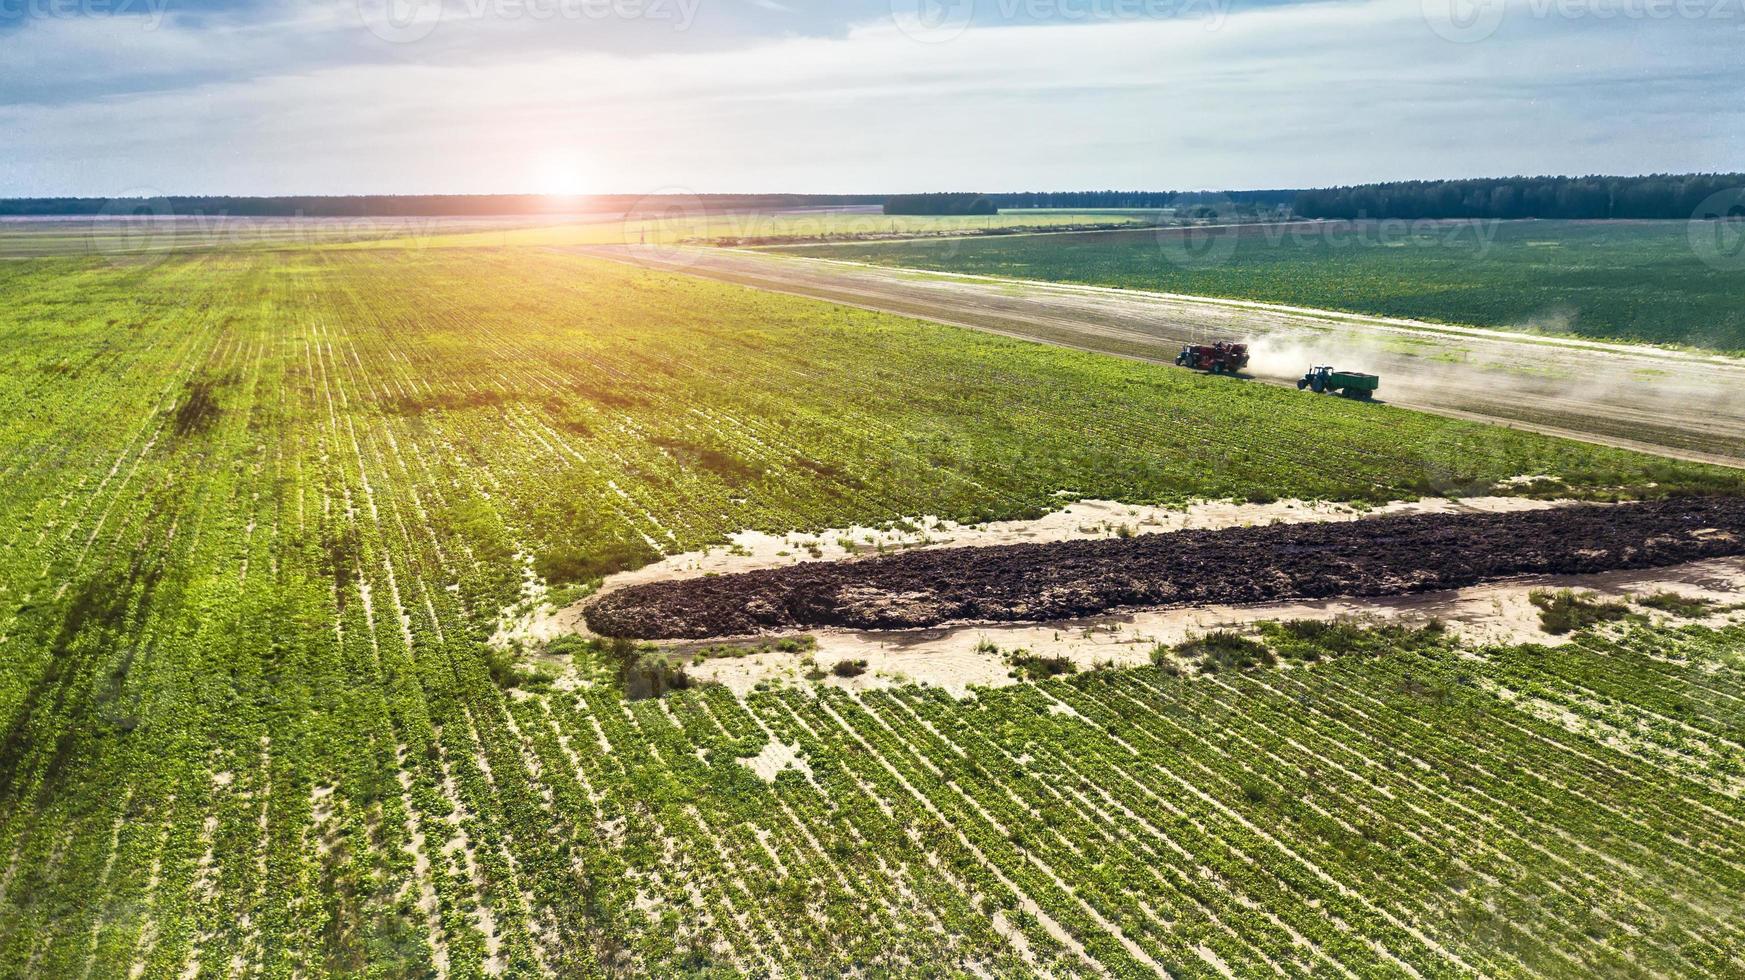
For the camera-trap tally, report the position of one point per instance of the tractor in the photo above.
(1223, 357)
(1324, 380)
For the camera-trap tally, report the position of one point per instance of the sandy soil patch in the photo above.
(949, 657)
(775, 757)
(1075, 521)
(1395, 554)
(958, 658)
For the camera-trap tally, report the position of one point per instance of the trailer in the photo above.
(1325, 380)
(1223, 357)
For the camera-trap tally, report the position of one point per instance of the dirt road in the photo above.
(1685, 405)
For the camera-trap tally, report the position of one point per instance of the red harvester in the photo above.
(1222, 357)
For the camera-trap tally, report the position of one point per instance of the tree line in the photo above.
(422, 205)
(1073, 200)
(1667, 196)
(940, 204)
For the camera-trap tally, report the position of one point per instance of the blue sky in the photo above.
(641, 96)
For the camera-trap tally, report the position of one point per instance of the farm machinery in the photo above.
(1223, 357)
(1347, 384)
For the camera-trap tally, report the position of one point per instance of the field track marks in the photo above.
(1610, 394)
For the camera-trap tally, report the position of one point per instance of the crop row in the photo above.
(259, 514)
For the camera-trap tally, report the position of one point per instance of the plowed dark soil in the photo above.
(1068, 579)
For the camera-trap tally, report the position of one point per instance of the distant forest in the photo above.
(1676, 196)
(1142, 199)
(421, 205)
(1666, 196)
(940, 204)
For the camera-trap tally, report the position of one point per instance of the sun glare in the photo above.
(561, 174)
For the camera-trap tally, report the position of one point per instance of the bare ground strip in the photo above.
(1390, 555)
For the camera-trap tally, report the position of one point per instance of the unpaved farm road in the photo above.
(1684, 405)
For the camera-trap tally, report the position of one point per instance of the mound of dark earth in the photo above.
(1067, 579)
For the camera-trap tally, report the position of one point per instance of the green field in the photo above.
(696, 224)
(262, 510)
(114, 238)
(1635, 281)
(151, 237)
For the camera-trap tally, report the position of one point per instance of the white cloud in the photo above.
(1292, 96)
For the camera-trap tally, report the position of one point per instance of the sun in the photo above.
(561, 173)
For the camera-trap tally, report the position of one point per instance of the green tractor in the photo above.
(1347, 384)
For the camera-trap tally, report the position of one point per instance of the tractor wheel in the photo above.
(1301, 384)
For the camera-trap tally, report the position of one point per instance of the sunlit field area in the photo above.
(149, 237)
(619, 489)
(675, 222)
(664, 222)
(263, 511)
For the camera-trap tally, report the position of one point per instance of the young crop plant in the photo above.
(262, 512)
(1224, 650)
(1682, 606)
(1032, 666)
(1563, 611)
(1312, 639)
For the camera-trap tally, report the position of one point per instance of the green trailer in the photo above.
(1323, 379)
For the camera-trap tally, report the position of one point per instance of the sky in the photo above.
(158, 97)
